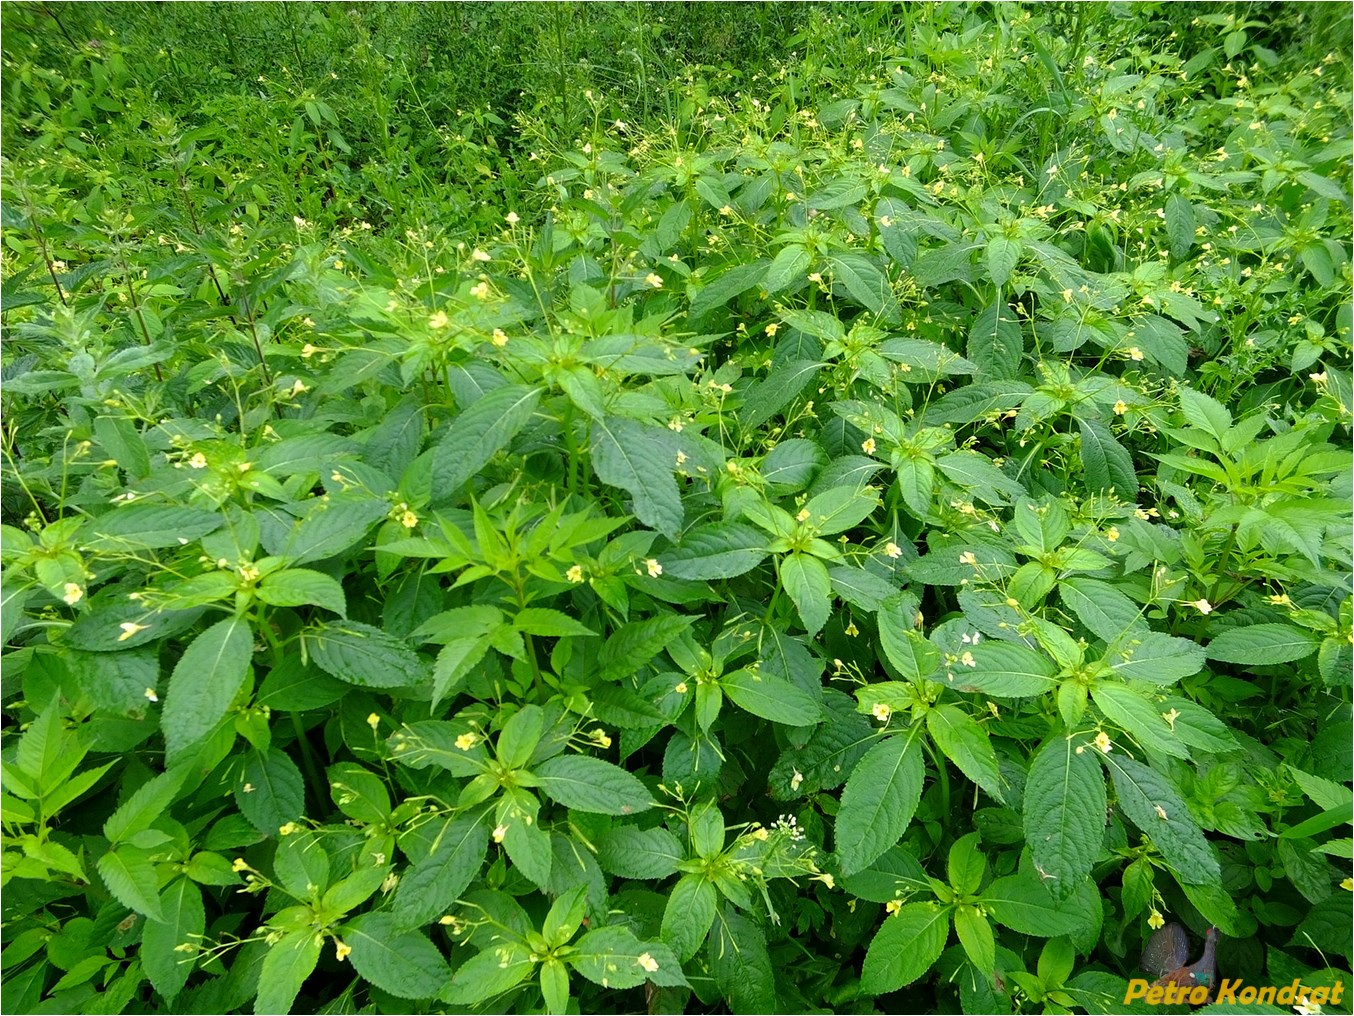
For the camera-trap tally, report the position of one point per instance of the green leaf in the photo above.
(403, 963)
(724, 287)
(975, 935)
(455, 660)
(638, 458)
(639, 853)
(771, 698)
(1106, 462)
(1003, 670)
(363, 655)
(1152, 803)
(205, 682)
(688, 915)
(358, 792)
(285, 968)
(613, 957)
(1022, 903)
(328, 527)
(295, 587)
(1153, 656)
(1179, 224)
(741, 965)
(806, 580)
(270, 792)
(1064, 812)
(184, 922)
(1205, 412)
(1105, 611)
(1002, 255)
(1264, 644)
(906, 648)
(149, 527)
(130, 877)
(443, 865)
(492, 972)
(475, 436)
(548, 623)
(519, 736)
(878, 801)
(905, 947)
(995, 343)
(1132, 712)
(866, 284)
(633, 645)
(790, 265)
(966, 744)
(147, 803)
(721, 550)
(589, 784)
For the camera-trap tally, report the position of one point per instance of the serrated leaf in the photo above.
(722, 550)
(1104, 610)
(363, 655)
(633, 645)
(149, 527)
(1154, 657)
(1003, 670)
(966, 744)
(1023, 903)
(205, 682)
(790, 265)
(637, 457)
(271, 791)
(442, 866)
(1064, 810)
(128, 873)
(688, 915)
(589, 784)
(184, 922)
(1106, 463)
(147, 803)
(548, 623)
(611, 957)
(285, 968)
(640, 853)
(404, 963)
(905, 947)
(806, 580)
(1125, 707)
(771, 698)
(878, 802)
(1263, 644)
(475, 436)
(295, 587)
(1152, 803)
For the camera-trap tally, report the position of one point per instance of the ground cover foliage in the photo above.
(618, 508)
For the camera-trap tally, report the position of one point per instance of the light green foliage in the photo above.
(671, 508)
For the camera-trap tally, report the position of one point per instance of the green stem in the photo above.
(308, 758)
(943, 781)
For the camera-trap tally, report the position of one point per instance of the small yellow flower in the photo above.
(439, 320)
(826, 878)
(198, 461)
(239, 865)
(867, 446)
(480, 291)
(773, 328)
(341, 950)
(409, 520)
(969, 558)
(1347, 885)
(647, 963)
(1111, 534)
(1279, 600)
(893, 906)
(150, 695)
(1202, 606)
(299, 222)
(499, 832)
(803, 515)
(1134, 353)
(852, 630)
(655, 569)
(466, 741)
(1171, 717)
(892, 549)
(574, 574)
(499, 338)
(1103, 742)
(968, 660)
(338, 266)
(72, 593)
(130, 628)
(288, 829)
(1155, 920)
(654, 279)
(795, 781)
(600, 738)
(1161, 812)
(307, 351)
(681, 688)
(512, 219)
(373, 721)
(479, 255)
(1120, 408)
(881, 712)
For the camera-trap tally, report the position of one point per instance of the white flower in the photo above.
(654, 279)
(72, 593)
(892, 549)
(512, 219)
(881, 712)
(647, 962)
(655, 569)
(1202, 606)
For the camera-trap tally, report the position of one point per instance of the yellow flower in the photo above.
(1111, 534)
(867, 446)
(1347, 885)
(479, 255)
(341, 950)
(892, 549)
(1155, 920)
(881, 712)
(968, 660)
(198, 461)
(1103, 742)
(893, 906)
(655, 569)
(150, 695)
(499, 338)
(1134, 353)
(511, 219)
(307, 351)
(681, 688)
(480, 291)
(968, 557)
(1120, 408)
(466, 741)
(600, 738)
(773, 328)
(574, 574)
(1171, 717)
(288, 829)
(439, 320)
(803, 515)
(239, 865)
(373, 721)
(826, 878)
(654, 279)
(499, 832)
(1202, 606)
(72, 593)
(647, 962)
(409, 520)
(130, 628)
(852, 630)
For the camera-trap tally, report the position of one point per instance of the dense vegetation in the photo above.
(676, 507)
